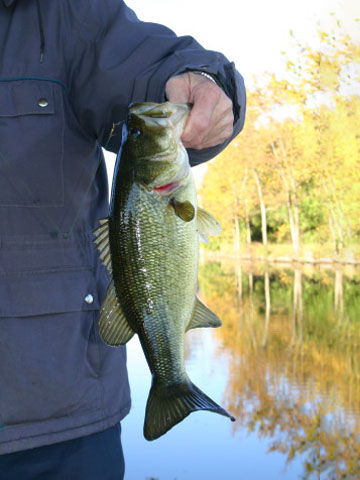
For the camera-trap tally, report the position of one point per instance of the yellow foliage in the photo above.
(303, 157)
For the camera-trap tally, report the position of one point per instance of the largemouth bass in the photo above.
(149, 244)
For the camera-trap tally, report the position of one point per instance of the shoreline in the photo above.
(285, 260)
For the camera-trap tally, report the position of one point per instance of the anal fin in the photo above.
(113, 326)
(203, 317)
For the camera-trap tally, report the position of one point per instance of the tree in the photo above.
(299, 152)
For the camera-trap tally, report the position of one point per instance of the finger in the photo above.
(206, 132)
(177, 89)
(200, 120)
(222, 135)
(215, 137)
(211, 119)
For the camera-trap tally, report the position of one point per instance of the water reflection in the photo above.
(294, 369)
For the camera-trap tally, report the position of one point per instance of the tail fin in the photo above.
(167, 406)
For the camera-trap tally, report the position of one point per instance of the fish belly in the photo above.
(156, 278)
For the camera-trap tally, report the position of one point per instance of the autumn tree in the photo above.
(299, 151)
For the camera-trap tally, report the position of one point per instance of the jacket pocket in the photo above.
(27, 294)
(31, 144)
(49, 346)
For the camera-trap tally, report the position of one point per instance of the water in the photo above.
(285, 363)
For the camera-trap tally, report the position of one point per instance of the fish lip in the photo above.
(160, 110)
(149, 109)
(167, 114)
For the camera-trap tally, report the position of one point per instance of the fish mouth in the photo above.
(167, 114)
(152, 110)
(160, 110)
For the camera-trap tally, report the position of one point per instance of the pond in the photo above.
(285, 363)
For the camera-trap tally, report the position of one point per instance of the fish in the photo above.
(150, 245)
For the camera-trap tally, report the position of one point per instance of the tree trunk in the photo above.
(262, 207)
(291, 195)
(237, 199)
(334, 217)
(333, 234)
(237, 235)
(247, 222)
(292, 221)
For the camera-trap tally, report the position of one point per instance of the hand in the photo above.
(211, 118)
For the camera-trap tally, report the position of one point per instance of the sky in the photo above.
(251, 33)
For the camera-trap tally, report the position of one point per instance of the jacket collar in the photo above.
(8, 3)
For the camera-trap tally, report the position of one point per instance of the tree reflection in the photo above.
(294, 373)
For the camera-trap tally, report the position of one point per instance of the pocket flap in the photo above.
(26, 98)
(48, 293)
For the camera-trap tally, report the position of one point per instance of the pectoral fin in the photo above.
(206, 224)
(184, 210)
(203, 237)
(203, 317)
(113, 326)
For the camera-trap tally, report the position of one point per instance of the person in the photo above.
(68, 71)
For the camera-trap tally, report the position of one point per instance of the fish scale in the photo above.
(149, 244)
(154, 277)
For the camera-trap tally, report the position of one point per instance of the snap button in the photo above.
(89, 299)
(43, 102)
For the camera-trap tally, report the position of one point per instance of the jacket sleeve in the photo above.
(118, 59)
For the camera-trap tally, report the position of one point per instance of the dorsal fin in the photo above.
(113, 326)
(102, 242)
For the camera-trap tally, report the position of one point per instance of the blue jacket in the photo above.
(68, 70)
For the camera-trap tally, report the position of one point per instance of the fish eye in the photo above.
(135, 132)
